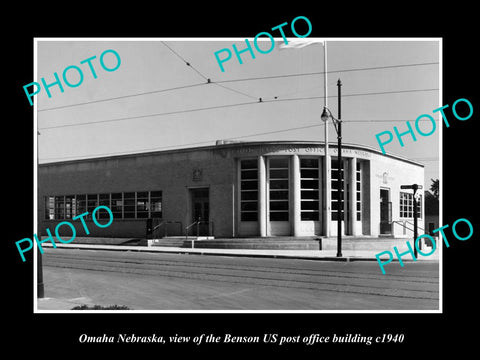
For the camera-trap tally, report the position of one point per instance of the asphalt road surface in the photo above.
(162, 281)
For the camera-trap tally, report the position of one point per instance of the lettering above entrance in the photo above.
(287, 149)
(350, 152)
(284, 149)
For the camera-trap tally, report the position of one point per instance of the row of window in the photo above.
(278, 181)
(359, 192)
(148, 204)
(249, 190)
(309, 189)
(406, 205)
(309, 183)
(124, 205)
(279, 189)
(335, 192)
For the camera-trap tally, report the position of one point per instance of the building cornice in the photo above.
(231, 145)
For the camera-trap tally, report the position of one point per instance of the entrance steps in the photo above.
(285, 243)
(177, 241)
(382, 243)
(378, 244)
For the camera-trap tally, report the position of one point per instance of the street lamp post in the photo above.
(327, 114)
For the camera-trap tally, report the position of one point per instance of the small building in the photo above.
(235, 189)
(431, 213)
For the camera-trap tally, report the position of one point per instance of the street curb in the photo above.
(208, 253)
(231, 254)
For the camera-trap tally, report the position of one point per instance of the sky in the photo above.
(155, 101)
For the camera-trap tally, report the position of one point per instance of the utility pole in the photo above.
(326, 115)
(40, 286)
(340, 170)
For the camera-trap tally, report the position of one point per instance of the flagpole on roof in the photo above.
(327, 174)
(325, 207)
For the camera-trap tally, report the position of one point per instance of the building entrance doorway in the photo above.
(200, 211)
(385, 212)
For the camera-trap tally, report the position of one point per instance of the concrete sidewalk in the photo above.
(328, 255)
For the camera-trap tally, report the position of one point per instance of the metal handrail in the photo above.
(189, 226)
(399, 222)
(197, 223)
(408, 222)
(156, 227)
(412, 230)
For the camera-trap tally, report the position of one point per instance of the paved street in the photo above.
(161, 281)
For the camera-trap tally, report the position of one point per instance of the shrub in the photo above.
(100, 307)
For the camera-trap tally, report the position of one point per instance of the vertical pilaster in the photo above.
(262, 198)
(327, 194)
(352, 183)
(320, 194)
(237, 198)
(295, 208)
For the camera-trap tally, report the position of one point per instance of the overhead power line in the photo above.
(126, 96)
(150, 115)
(327, 72)
(235, 80)
(205, 77)
(234, 90)
(232, 105)
(179, 146)
(224, 106)
(185, 61)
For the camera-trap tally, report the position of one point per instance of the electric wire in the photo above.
(232, 105)
(125, 96)
(205, 77)
(220, 84)
(210, 142)
(149, 115)
(327, 72)
(185, 61)
(234, 80)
